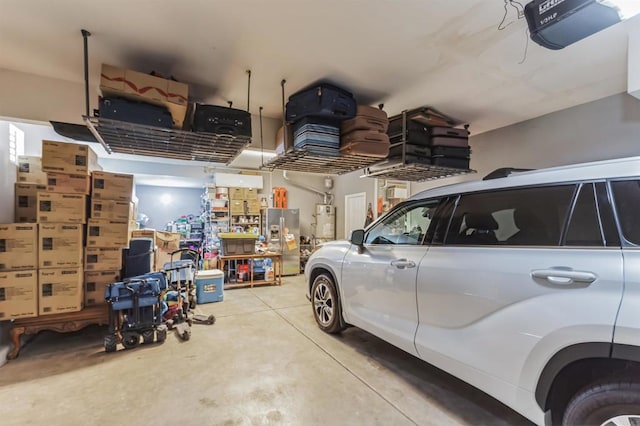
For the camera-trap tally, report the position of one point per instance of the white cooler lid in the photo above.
(210, 273)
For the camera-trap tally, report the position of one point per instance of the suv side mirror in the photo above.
(357, 237)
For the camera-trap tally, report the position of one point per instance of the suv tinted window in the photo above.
(626, 197)
(584, 227)
(405, 225)
(525, 216)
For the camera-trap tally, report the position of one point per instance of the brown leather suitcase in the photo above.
(365, 142)
(367, 118)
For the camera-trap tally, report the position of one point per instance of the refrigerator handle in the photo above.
(282, 236)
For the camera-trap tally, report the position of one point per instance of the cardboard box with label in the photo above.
(102, 258)
(111, 186)
(60, 290)
(95, 283)
(59, 245)
(18, 246)
(30, 170)
(26, 202)
(173, 95)
(68, 183)
(18, 294)
(107, 233)
(65, 157)
(110, 209)
(61, 208)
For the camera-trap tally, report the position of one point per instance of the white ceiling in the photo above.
(444, 53)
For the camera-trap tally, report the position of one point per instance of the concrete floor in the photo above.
(264, 362)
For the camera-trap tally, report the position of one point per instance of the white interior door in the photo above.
(355, 212)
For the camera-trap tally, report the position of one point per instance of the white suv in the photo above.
(525, 286)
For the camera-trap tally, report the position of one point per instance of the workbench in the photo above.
(226, 262)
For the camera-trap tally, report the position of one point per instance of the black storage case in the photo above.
(221, 120)
(135, 112)
(322, 100)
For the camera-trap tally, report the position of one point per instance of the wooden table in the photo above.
(61, 323)
(277, 269)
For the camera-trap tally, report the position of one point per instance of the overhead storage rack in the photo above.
(130, 138)
(318, 160)
(414, 172)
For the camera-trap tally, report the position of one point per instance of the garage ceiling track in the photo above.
(137, 139)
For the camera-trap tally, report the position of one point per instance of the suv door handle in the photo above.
(563, 276)
(403, 263)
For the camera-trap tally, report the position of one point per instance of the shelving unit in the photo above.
(248, 223)
(130, 138)
(320, 160)
(414, 172)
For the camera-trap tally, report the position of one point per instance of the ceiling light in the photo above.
(555, 24)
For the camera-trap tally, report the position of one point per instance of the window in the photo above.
(406, 225)
(584, 227)
(626, 197)
(526, 216)
(16, 143)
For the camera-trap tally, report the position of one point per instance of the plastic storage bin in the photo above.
(209, 286)
(237, 243)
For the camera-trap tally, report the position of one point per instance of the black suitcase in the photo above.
(426, 151)
(221, 120)
(322, 100)
(455, 163)
(430, 117)
(135, 112)
(417, 129)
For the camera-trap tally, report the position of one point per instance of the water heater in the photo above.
(325, 222)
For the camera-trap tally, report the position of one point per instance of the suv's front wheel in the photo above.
(607, 404)
(326, 305)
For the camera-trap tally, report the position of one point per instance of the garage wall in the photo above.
(184, 201)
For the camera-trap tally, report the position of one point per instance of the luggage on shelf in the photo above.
(426, 151)
(421, 130)
(429, 116)
(365, 142)
(367, 118)
(221, 120)
(455, 163)
(312, 131)
(321, 100)
(135, 112)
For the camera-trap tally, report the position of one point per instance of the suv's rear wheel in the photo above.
(326, 305)
(606, 404)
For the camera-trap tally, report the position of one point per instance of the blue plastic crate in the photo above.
(209, 286)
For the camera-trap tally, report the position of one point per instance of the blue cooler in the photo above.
(209, 286)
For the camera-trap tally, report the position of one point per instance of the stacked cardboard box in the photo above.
(108, 228)
(18, 274)
(61, 213)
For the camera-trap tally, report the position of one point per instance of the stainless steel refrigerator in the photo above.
(283, 234)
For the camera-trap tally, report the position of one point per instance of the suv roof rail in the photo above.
(504, 172)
